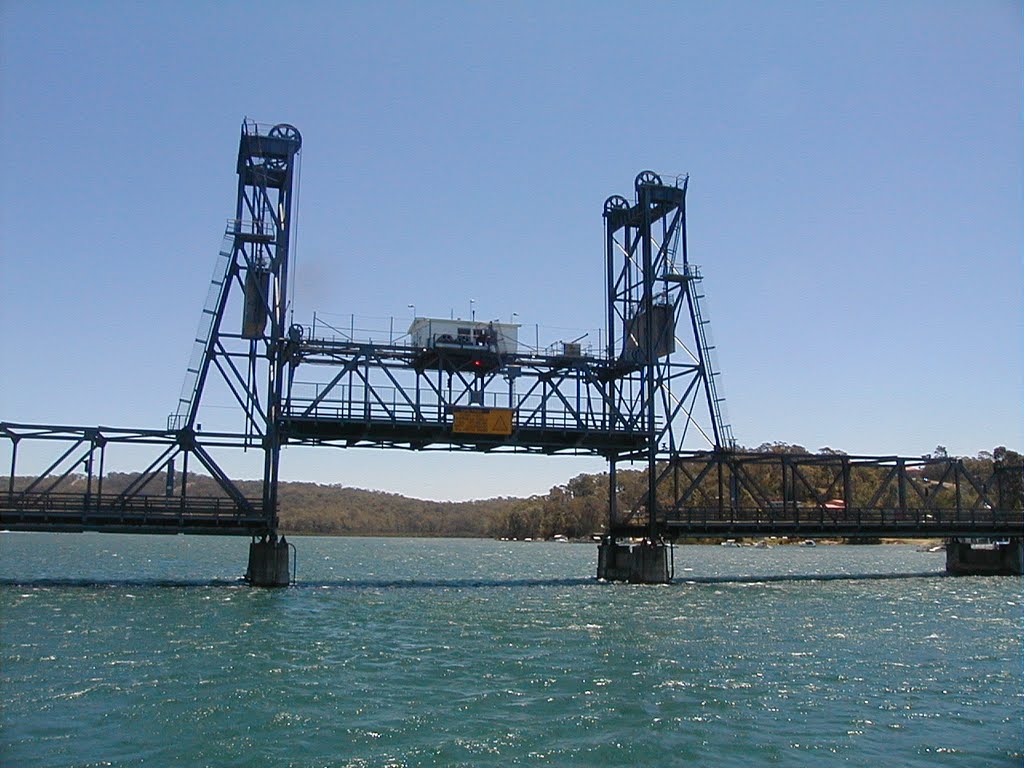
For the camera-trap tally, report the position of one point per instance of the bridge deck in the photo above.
(70, 512)
(550, 439)
(853, 523)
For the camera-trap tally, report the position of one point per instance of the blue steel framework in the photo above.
(251, 269)
(652, 288)
(725, 494)
(640, 399)
(254, 263)
(56, 500)
(735, 494)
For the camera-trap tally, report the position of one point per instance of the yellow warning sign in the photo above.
(483, 421)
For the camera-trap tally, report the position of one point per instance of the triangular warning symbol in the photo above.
(501, 422)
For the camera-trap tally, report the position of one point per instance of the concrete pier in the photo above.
(974, 557)
(269, 563)
(645, 563)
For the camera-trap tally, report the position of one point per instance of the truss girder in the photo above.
(69, 494)
(636, 401)
(382, 395)
(737, 494)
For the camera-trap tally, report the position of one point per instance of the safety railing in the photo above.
(21, 508)
(374, 411)
(356, 402)
(891, 521)
(248, 228)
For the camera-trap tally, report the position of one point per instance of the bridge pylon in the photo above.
(658, 340)
(251, 353)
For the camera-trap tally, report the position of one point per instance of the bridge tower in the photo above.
(662, 370)
(250, 352)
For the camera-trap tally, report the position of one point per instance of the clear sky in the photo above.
(855, 198)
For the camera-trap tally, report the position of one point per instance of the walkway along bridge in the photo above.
(645, 397)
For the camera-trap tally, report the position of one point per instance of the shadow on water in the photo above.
(807, 577)
(117, 583)
(427, 584)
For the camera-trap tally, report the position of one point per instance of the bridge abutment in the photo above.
(969, 557)
(645, 563)
(269, 563)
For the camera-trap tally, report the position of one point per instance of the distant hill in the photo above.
(331, 509)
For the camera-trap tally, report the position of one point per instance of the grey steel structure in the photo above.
(251, 361)
(644, 398)
(74, 493)
(661, 372)
(248, 355)
(735, 494)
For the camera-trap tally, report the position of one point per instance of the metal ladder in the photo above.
(197, 360)
(707, 349)
(691, 276)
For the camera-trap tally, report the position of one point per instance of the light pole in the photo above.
(413, 308)
(472, 310)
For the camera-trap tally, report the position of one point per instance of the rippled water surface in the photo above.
(124, 650)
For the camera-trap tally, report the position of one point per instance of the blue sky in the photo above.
(855, 198)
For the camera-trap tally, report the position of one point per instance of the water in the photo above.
(145, 651)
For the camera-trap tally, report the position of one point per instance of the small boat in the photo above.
(762, 544)
(808, 543)
(561, 538)
(729, 543)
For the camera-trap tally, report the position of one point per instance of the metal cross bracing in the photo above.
(76, 493)
(711, 494)
(736, 494)
(246, 357)
(644, 398)
(401, 396)
(652, 292)
(249, 355)
(634, 400)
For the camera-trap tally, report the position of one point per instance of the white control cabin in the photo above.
(428, 333)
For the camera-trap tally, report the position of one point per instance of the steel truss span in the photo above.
(649, 395)
(650, 390)
(73, 493)
(385, 396)
(700, 494)
(729, 494)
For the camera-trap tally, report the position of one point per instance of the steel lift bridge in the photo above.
(463, 385)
